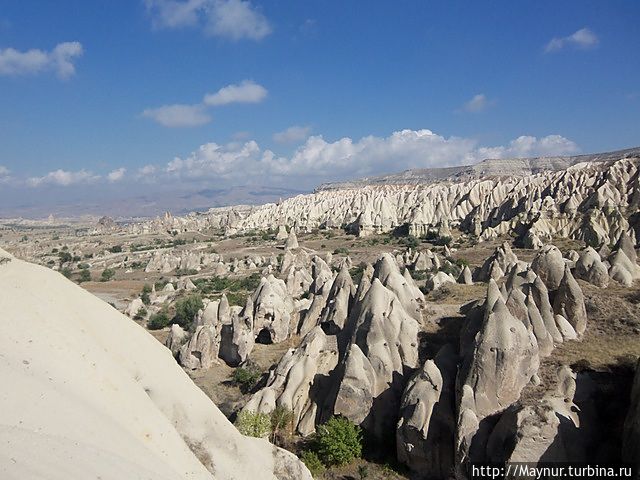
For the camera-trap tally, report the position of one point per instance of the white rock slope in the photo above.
(94, 396)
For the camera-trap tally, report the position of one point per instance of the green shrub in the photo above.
(66, 272)
(338, 441)
(107, 274)
(313, 463)
(85, 276)
(65, 257)
(246, 377)
(144, 296)
(281, 424)
(158, 320)
(140, 314)
(253, 424)
(187, 309)
(341, 250)
(116, 249)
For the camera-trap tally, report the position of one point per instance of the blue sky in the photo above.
(98, 97)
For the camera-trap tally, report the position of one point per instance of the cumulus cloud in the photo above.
(4, 174)
(292, 134)
(178, 115)
(318, 159)
(116, 175)
(478, 103)
(528, 146)
(231, 19)
(246, 91)
(30, 62)
(583, 38)
(63, 178)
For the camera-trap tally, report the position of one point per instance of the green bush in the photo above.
(116, 249)
(140, 314)
(253, 424)
(341, 251)
(144, 296)
(107, 274)
(187, 309)
(246, 377)
(338, 441)
(158, 320)
(85, 276)
(66, 272)
(313, 463)
(281, 424)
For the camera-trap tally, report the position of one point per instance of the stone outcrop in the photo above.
(497, 264)
(272, 310)
(590, 268)
(425, 431)
(549, 265)
(299, 381)
(631, 433)
(503, 359)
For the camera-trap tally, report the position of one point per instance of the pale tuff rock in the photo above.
(569, 302)
(238, 337)
(336, 311)
(465, 276)
(272, 310)
(311, 317)
(438, 280)
(133, 308)
(292, 241)
(186, 284)
(425, 431)
(386, 270)
(201, 351)
(298, 281)
(153, 421)
(627, 245)
(534, 433)
(299, 381)
(590, 268)
(622, 269)
(282, 233)
(321, 274)
(497, 264)
(631, 433)
(549, 265)
(503, 360)
(169, 288)
(424, 260)
(531, 240)
(385, 346)
(588, 201)
(177, 337)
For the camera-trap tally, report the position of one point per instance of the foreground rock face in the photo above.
(112, 403)
(631, 435)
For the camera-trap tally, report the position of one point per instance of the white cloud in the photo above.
(583, 38)
(237, 19)
(528, 146)
(4, 174)
(246, 91)
(478, 103)
(178, 115)
(292, 134)
(59, 60)
(318, 160)
(232, 19)
(147, 170)
(116, 175)
(63, 178)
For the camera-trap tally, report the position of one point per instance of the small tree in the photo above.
(187, 309)
(85, 276)
(140, 314)
(338, 441)
(107, 274)
(253, 424)
(313, 463)
(66, 272)
(246, 377)
(158, 320)
(144, 296)
(281, 424)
